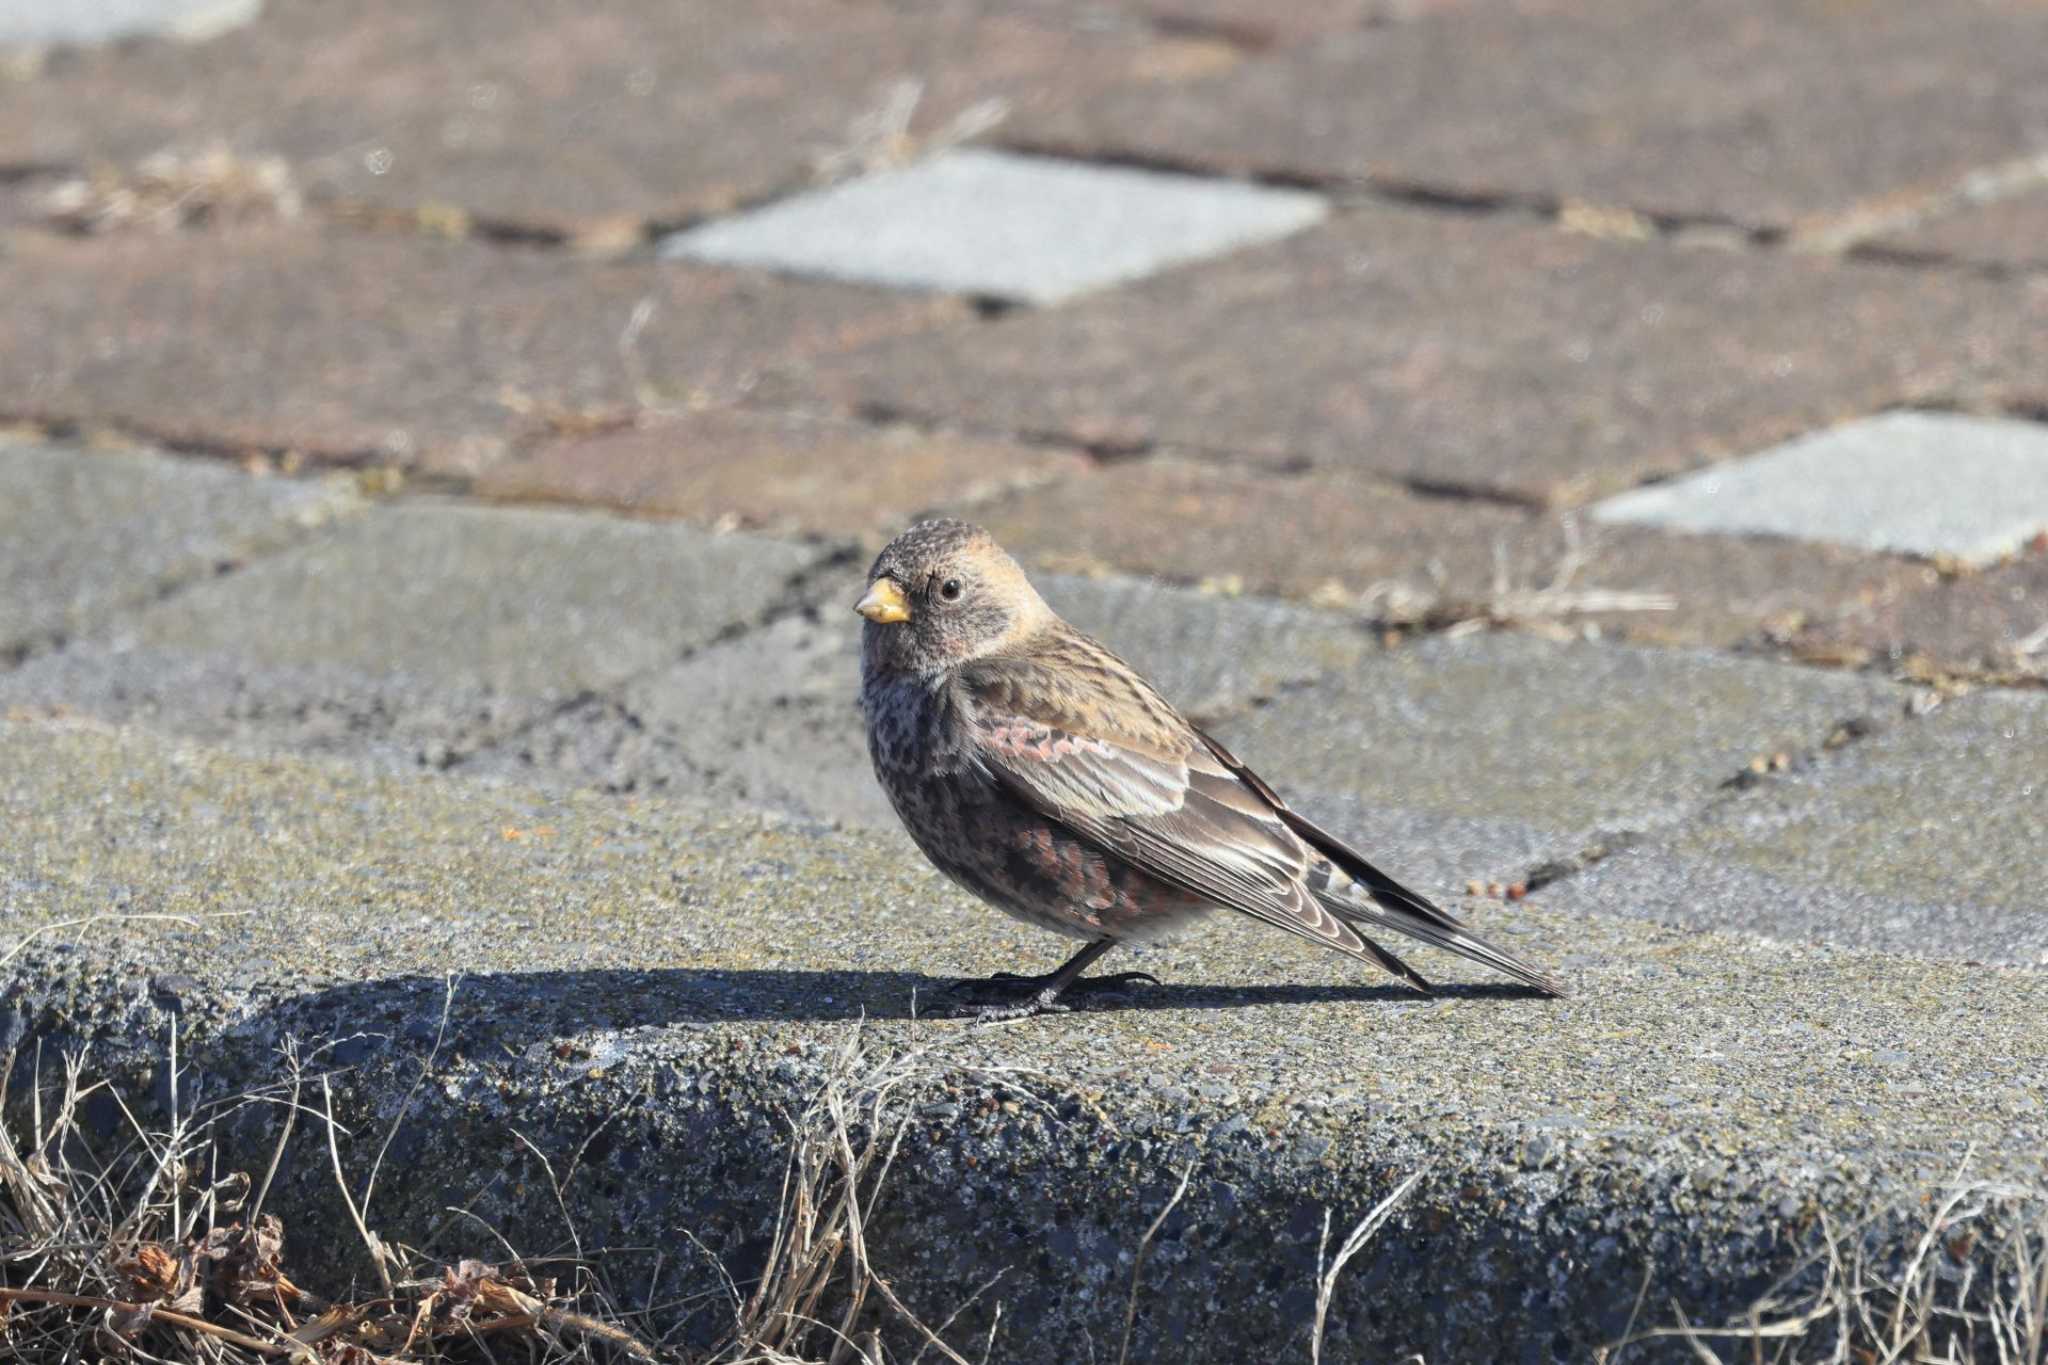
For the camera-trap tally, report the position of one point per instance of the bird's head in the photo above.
(941, 594)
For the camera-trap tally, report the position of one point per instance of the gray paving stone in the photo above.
(1925, 838)
(991, 223)
(1973, 488)
(676, 976)
(417, 632)
(1565, 743)
(772, 717)
(85, 532)
(91, 21)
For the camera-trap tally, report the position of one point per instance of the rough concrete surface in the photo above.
(418, 631)
(678, 976)
(85, 532)
(772, 718)
(1829, 851)
(1584, 743)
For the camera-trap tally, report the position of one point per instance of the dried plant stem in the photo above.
(1138, 1261)
(1326, 1280)
(166, 1315)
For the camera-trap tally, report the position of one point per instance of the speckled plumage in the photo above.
(1043, 774)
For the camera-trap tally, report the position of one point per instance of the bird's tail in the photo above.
(1364, 907)
(1359, 894)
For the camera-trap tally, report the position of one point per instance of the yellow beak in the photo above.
(884, 603)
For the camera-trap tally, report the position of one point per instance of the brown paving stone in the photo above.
(1248, 24)
(1475, 353)
(21, 206)
(401, 349)
(1761, 111)
(1341, 542)
(2010, 232)
(1969, 622)
(546, 113)
(774, 472)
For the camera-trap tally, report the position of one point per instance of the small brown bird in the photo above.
(1039, 771)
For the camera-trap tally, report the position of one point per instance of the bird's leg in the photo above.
(1020, 997)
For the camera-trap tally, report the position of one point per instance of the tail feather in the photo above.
(1358, 893)
(1439, 930)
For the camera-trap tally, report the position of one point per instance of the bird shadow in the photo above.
(516, 1009)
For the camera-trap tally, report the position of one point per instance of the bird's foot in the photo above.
(1006, 996)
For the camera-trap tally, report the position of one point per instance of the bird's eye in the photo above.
(950, 590)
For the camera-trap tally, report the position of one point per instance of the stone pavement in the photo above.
(1591, 454)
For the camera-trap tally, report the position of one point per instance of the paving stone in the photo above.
(84, 533)
(1001, 226)
(1923, 483)
(1994, 620)
(1925, 838)
(2008, 232)
(1706, 1108)
(1757, 111)
(1472, 353)
(672, 107)
(1376, 550)
(390, 349)
(417, 632)
(772, 718)
(21, 206)
(1572, 743)
(1237, 26)
(92, 21)
(775, 472)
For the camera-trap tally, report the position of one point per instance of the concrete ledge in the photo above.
(674, 978)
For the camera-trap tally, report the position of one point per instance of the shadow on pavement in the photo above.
(515, 1009)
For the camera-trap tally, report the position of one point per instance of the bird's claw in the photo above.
(1045, 1002)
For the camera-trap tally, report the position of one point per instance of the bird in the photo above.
(1045, 776)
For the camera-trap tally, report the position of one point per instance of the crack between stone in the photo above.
(278, 539)
(1744, 785)
(63, 428)
(799, 594)
(1110, 451)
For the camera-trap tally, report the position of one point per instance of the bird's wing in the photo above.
(1083, 740)
(1077, 734)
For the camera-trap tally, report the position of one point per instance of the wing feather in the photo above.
(1079, 736)
(1155, 796)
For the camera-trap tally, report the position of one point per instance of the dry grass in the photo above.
(1509, 601)
(1975, 1288)
(138, 1246)
(172, 190)
(842, 1145)
(882, 138)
